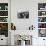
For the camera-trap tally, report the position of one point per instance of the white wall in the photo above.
(23, 24)
(23, 5)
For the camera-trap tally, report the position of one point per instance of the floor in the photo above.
(3, 45)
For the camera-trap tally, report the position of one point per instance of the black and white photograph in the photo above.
(22, 15)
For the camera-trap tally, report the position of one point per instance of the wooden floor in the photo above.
(3, 45)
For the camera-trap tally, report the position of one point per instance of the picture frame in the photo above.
(23, 15)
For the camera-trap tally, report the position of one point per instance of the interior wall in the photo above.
(23, 24)
(24, 5)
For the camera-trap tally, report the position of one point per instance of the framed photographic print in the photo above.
(22, 15)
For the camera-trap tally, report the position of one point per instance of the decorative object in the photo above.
(31, 27)
(43, 13)
(41, 19)
(3, 6)
(3, 13)
(26, 38)
(4, 29)
(42, 32)
(6, 7)
(41, 6)
(0, 7)
(13, 27)
(22, 15)
(42, 25)
(3, 19)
